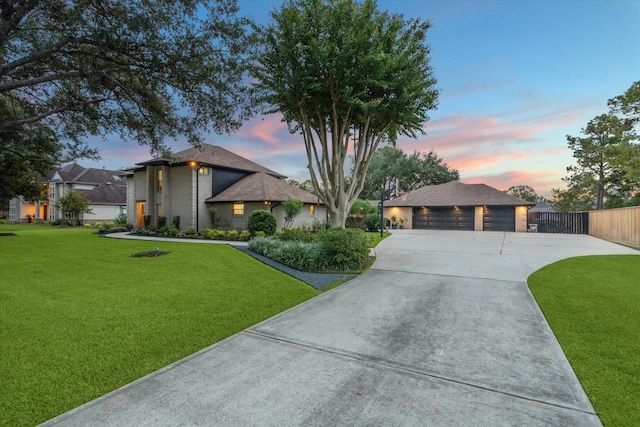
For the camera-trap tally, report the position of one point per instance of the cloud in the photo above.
(542, 181)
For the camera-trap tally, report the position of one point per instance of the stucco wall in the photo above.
(227, 221)
(521, 218)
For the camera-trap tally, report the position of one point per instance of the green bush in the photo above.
(260, 234)
(219, 234)
(233, 234)
(147, 221)
(191, 232)
(175, 221)
(372, 222)
(261, 220)
(346, 249)
(302, 234)
(174, 231)
(245, 235)
(162, 221)
(121, 219)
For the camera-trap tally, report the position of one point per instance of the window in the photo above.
(312, 210)
(203, 171)
(159, 180)
(52, 214)
(238, 208)
(159, 209)
(52, 191)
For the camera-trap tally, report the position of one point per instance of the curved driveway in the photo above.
(442, 331)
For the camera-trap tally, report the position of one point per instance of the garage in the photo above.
(443, 218)
(499, 218)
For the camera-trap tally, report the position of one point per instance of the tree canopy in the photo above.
(346, 77)
(607, 170)
(144, 71)
(411, 171)
(525, 192)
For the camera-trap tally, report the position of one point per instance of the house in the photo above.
(458, 206)
(105, 190)
(542, 207)
(196, 179)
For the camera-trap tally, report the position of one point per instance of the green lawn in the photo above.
(79, 317)
(593, 306)
(374, 237)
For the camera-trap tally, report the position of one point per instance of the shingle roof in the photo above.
(542, 207)
(212, 155)
(455, 193)
(107, 193)
(77, 174)
(259, 187)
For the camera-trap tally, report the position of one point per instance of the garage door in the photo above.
(499, 218)
(443, 218)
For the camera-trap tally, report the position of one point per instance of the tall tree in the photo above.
(346, 77)
(597, 170)
(143, 70)
(411, 171)
(627, 105)
(73, 204)
(525, 192)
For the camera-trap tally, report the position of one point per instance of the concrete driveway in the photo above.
(442, 331)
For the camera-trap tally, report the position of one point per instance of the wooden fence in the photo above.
(559, 222)
(616, 225)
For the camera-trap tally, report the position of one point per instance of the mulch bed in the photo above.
(154, 253)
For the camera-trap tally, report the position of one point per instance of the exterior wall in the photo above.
(131, 200)
(102, 213)
(521, 218)
(227, 221)
(404, 212)
(478, 219)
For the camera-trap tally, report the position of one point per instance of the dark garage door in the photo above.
(499, 218)
(443, 218)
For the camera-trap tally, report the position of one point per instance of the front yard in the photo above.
(592, 305)
(81, 317)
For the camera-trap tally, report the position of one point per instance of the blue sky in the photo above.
(515, 77)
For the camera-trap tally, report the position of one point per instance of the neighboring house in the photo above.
(542, 207)
(193, 180)
(458, 206)
(105, 190)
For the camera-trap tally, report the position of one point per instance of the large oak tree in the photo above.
(346, 77)
(142, 70)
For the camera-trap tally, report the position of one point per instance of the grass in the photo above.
(80, 317)
(593, 306)
(374, 237)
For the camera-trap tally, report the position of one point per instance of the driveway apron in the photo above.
(442, 331)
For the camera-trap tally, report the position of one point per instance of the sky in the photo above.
(515, 77)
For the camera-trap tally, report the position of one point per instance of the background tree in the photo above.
(292, 208)
(144, 71)
(525, 192)
(412, 171)
(346, 77)
(73, 204)
(627, 106)
(305, 185)
(598, 171)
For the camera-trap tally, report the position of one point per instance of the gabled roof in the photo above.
(455, 193)
(107, 193)
(260, 187)
(74, 173)
(542, 207)
(214, 156)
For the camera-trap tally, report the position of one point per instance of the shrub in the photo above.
(244, 236)
(191, 232)
(346, 249)
(219, 234)
(162, 221)
(302, 234)
(121, 219)
(261, 220)
(372, 222)
(292, 208)
(260, 234)
(174, 231)
(147, 221)
(175, 221)
(212, 214)
(233, 234)
(87, 225)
